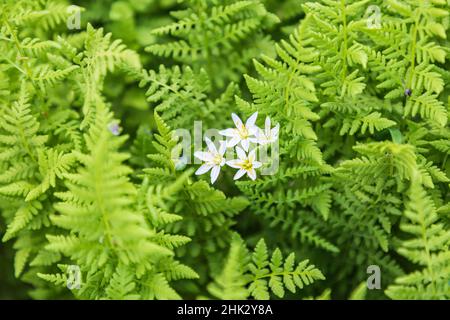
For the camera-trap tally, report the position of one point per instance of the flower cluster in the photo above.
(244, 138)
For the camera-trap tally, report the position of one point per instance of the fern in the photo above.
(99, 125)
(100, 191)
(181, 205)
(427, 247)
(258, 276)
(208, 33)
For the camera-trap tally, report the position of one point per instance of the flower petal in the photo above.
(253, 140)
(215, 173)
(275, 131)
(211, 145)
(223, 147)
(252, 130)
(203, 169)
(204, 156)
(257, 164)
(239, 174)
(252, 120)
(234, 141)
(260, 137)
(252, 174)
(237, 121)
(267, 126)
(252, 155)
(237, 164)
(231, 132)
(245, 144)
(241, 153)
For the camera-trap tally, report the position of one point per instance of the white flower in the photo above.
(213, 159)
(245, 164)
(268, 135)
(243, 133)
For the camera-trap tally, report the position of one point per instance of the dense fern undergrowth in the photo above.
(88, 180)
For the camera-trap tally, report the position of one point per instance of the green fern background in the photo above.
(364, 143)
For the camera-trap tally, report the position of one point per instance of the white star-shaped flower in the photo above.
(242, 133)
(245, 164)
(268, 135)
(213, 159)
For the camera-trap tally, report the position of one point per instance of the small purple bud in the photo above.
(408, 92)
(114, 128)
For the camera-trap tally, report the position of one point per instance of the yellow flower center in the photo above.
(243, 132)
(217, 159)
(247, 165)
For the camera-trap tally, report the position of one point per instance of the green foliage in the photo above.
(257, 275)
(212, 34)
(95, 174)
(177, 204)
(108, 236)
(428, 248)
